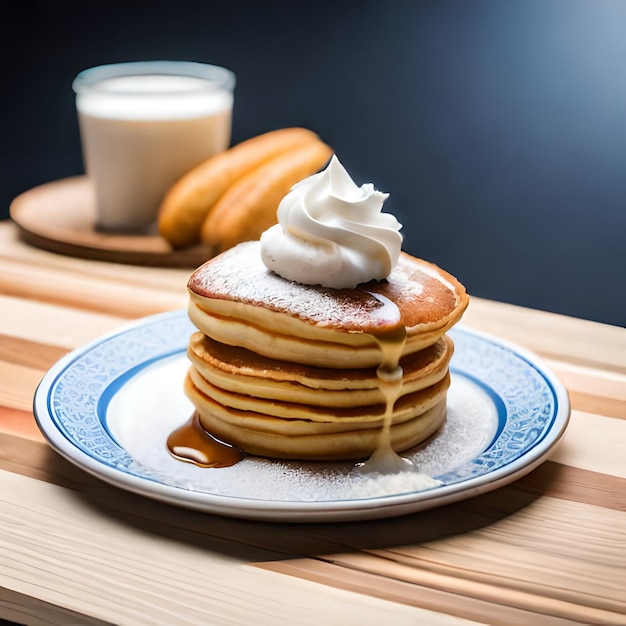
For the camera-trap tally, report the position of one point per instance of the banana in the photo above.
(191, 199)
(249, 206)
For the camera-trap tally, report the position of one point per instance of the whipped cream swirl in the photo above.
(332, 233)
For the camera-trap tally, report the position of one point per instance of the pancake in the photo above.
(406, 407)
(236, 300)
(302, 439)
(240, 371)
(293, 371)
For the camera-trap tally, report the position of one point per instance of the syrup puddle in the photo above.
(192, 444)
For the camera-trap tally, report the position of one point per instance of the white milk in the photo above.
(141, 133)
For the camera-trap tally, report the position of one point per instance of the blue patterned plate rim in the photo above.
(532, 406)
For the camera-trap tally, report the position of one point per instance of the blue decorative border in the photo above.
(79, 394)
(526, 401)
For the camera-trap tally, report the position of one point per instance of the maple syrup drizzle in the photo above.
(191, 443)
(384, 459)
(389, 374)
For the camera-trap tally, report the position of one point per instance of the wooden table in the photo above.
(548, 549)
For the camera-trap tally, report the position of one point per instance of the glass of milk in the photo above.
(145, 124)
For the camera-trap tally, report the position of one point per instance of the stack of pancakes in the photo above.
(286, 370)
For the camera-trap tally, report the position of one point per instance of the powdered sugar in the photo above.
(422, 292)
(145, 410)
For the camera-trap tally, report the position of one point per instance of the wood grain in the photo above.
(97, 564)
(573, 341)
(547, 549)
(80, 291)
(36, 355)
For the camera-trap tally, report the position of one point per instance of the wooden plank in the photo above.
(12, 248)
(523, 553)
(549, 558)
(529, 524)
(590, 380)
(477, 602)
(33, 354)
(593, 391)
(552, 336)
(81, 292)
(94, 565)
(513, 524)
(594, 443)
(18, 422)
(17, 385)
(23, 610)
(578, 485)
(600, 405)
(467, 607)
(54, 325)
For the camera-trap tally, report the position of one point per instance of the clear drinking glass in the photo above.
(145, 124)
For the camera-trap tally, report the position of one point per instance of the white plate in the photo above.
(109, 406)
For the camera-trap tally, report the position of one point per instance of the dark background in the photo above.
(498, 127)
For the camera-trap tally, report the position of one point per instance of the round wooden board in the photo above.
(60, 217)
